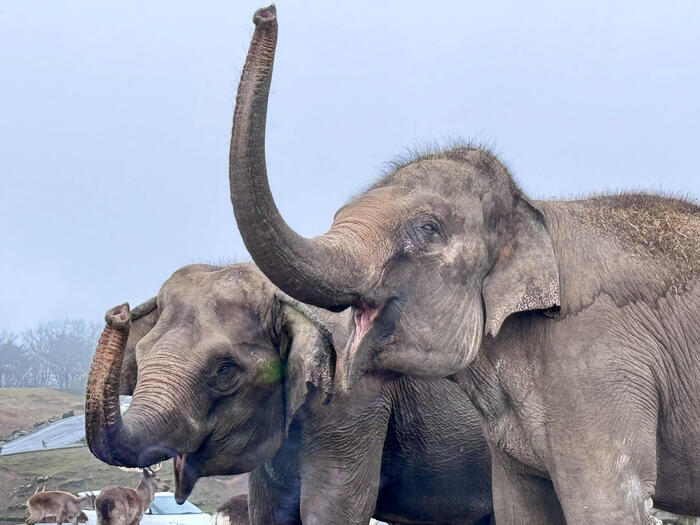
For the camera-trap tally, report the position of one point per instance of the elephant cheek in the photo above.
(450, 331)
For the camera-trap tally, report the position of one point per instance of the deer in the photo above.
(58, 506)
(125, 506)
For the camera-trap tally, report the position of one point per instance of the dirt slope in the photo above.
(76, 469)
(23, 408)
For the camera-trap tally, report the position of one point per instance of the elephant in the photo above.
(572, 325)
(143, 317)
(233, 376)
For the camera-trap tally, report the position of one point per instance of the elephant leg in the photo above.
(602, 439)
(622, 500)
(521, 498)
(486, 520)
(595, 489)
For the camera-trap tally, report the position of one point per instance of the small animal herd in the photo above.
(115, 505)
(450, 351)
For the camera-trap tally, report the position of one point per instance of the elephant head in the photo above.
(227, 363)
(437, 253)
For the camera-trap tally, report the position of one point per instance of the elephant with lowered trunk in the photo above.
(229, 375)
(572, 325)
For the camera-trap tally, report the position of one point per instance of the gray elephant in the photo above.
(232, 377)
(572, 325)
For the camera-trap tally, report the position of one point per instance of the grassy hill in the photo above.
(23, 408)
(76, 469)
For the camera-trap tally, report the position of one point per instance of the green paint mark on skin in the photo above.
(271, 371)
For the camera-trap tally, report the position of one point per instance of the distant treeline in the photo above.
(56, 354)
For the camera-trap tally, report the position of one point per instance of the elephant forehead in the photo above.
(206, 291)
(444, 176)
(378, 204)
(385, 208)
(226, 319)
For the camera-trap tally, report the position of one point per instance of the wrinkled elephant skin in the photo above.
(248, 371)
(572, 325)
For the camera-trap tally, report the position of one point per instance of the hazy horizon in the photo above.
(116, 121)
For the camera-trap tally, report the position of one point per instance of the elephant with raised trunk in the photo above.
(229, 375)
(572, 325)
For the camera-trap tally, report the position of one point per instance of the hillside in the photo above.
(21, 409)
(76, 469)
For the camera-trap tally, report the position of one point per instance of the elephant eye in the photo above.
(429, 229)
(225, 376)
(226, 368)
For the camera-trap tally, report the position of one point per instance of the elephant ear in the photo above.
(525, 275)
(143, 318)
(309, 353)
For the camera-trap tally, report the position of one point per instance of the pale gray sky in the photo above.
(115, 120)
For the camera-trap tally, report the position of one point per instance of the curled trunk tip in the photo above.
(265, 15)
(119, 317)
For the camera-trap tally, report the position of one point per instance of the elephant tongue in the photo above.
(184, 480)
(364, 318)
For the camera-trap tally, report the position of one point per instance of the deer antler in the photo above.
(152, 469)
(129, 469)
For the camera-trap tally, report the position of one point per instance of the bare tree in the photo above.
(60, 353)
(13, 361)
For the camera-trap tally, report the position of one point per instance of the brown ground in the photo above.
(22, 408)
(76, 469)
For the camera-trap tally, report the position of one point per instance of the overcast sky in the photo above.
(115, 120)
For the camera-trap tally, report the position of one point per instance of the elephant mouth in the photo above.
(375, 323)
(186, 469)
(364, 318)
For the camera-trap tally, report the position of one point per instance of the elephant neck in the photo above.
(502, 384)
(482, 385)
(146, 494)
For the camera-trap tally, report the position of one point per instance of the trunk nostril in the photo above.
(265, 15)
(119, 317)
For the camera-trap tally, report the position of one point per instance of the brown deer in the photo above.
(58, 506)
(124, 506)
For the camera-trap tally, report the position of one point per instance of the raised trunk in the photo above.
(310, 270)
(110, 439)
